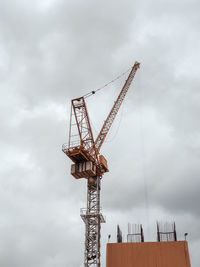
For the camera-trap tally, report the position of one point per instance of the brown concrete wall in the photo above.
(148, 254)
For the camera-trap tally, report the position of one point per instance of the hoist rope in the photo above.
(105, 85)
(143, 154)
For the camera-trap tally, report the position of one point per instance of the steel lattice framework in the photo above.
(92, 218)
(89, 164)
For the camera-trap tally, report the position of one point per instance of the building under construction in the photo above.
(166, 252)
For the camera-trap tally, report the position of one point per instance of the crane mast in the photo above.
(89, 164)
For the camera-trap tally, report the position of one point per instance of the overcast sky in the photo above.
(54, 50)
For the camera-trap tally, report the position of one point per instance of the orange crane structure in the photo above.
(88, 163)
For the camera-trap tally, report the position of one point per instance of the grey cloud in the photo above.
(53, 51)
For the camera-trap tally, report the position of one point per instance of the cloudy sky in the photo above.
(54, 50)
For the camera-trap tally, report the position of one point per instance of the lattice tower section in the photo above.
(92, 218)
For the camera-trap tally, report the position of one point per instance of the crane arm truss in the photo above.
(111, 116)
(83, 122)
(86, 140)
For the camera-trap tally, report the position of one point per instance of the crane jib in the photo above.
(111, 116)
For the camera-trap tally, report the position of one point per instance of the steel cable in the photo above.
(105, 85)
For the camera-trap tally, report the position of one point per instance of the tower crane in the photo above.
(88, 163)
